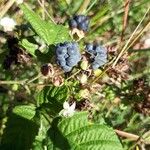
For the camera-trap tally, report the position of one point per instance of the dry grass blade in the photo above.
(140, 33)
(83, 7)
(91, 5)
(131, 38)
(6, 8)
(125, 17)
(41, 4)
(43, 12)
(128, 135)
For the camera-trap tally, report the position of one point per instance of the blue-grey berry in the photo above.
(73, 24)
(83, 26)
(95, 66)
(89, 47)
(79, 18)
(67, 68)
(61, 51)
(61, 63)
(98, 55)
(79, 21)
(70, 62)
(67, 55)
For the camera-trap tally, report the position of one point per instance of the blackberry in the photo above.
(67, 55)
(80, 22)
(98, 55)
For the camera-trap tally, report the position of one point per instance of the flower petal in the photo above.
(66, 105)
(72, 107)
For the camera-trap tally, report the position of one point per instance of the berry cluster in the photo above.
(98, 55)
(67, 55)
(80, 22)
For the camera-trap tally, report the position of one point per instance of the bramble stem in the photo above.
(23, 82)
(13, 82)
(73, 75)
(33, 79)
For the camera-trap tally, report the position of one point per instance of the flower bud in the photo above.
(97, 72)
(58, 81)
(84, 65)
(84, 93)
(47, 70)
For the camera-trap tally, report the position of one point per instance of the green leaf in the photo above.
(53, 95)
(74, 6)
(100, 14)
(51, 99)
(76, 133)
(62, 5)
(70, 7)
(42, 133)
(60, 94)
(146, 137)
(25, 111)
(19, 133)
(48, 31)
(30, 47)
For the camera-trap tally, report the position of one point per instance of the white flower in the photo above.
(19, 1)
(68, 110)
(147, 43)
(7, 23)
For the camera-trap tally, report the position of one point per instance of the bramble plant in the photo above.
(66, 82)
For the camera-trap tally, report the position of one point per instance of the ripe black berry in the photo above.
(80, 21)
(98, 55)
(67, 55)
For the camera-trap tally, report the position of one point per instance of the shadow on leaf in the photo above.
(57, 138)
(19, 133)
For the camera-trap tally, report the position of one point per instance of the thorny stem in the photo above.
(22, 82)
(13, 82)
(73, 75)
(33, 79)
